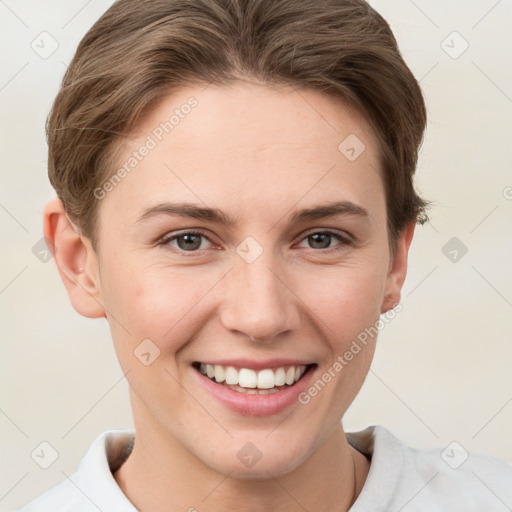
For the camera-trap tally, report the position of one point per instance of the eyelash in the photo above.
(345, 241)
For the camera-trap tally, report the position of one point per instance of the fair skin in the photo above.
(260, 155)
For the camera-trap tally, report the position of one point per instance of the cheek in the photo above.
(346, 306)
(346, 298)
(159, 303)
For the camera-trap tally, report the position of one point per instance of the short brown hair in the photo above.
(139, 51)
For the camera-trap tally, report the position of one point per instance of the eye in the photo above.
(323, 239)
(188, 241)
(192, 241)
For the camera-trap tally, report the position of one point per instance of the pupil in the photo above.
(190, 244)
(315, 240)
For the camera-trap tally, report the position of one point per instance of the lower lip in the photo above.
(256, 405)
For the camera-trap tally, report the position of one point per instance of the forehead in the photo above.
(259, 115)
(249, 143)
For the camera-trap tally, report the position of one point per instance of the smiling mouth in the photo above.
(252, 382)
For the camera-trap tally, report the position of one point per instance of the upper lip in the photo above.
(256, 365)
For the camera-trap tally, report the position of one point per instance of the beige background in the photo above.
(442, 370)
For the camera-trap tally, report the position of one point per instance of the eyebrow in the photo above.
(338, 208)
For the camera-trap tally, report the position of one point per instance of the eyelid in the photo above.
(342, 234)
(176, 234)
(344, 238)
(200, 231)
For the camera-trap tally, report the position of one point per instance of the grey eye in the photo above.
(188, 241)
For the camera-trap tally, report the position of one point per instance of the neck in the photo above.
(162, 475)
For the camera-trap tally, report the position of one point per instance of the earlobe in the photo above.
(75, 259)
(398, 269)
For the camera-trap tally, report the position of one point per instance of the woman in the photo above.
(235, 196)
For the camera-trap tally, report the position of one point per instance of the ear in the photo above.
(76, 260)
(397, 269)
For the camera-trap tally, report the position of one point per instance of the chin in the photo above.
(250, 463)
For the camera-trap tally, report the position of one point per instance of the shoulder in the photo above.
(444, 478)
(63, 497)
(455, 477)
(92, 487)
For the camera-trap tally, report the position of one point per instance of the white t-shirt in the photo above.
(400, 478)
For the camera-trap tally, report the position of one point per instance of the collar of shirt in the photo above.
(399, 476)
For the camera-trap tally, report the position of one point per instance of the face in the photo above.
(281, 262)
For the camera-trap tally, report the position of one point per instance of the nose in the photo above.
(258, 302)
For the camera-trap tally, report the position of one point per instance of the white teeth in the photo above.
(219, 373)
(298, 372)
(247, 378)
(251, 381)
(231, 375)
(256, 391)
(280, 377)
(290, 376)
(265, 379)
